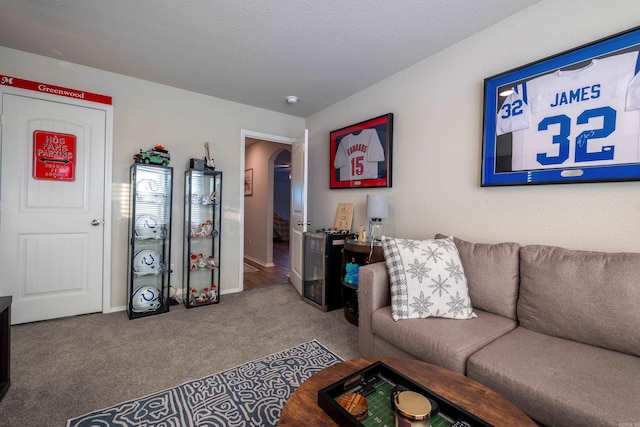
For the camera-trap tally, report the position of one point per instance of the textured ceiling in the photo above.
(256, 52)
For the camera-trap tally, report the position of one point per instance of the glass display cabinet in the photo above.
(202, 219)
(150, 240)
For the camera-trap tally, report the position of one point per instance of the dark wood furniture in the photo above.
(5, 344)
(360, 253)
(321, 270)
(302, 407)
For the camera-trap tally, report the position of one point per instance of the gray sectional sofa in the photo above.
(557, 331)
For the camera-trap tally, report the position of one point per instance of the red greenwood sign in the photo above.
(54, 156)
(54, 90)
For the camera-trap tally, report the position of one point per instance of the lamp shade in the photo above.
(377, 206)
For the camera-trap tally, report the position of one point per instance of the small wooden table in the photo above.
(302, 407)
(358, 252)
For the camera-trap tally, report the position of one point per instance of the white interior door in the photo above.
(51, 230)
(299, 174)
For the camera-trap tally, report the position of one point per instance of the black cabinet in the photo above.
(321, 270)
(5, 344)
(150, 240)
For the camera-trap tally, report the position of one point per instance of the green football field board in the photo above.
(380, 411)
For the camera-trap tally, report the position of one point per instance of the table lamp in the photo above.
(377, 209)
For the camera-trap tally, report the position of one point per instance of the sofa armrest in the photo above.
(373, 293)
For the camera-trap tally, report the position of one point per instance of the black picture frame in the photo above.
(361, 154)
(566, 121)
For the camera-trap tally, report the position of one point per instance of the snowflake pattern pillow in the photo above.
(427, 279)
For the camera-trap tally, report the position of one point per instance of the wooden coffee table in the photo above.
(302, 407)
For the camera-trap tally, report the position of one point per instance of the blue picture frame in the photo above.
(547, 152)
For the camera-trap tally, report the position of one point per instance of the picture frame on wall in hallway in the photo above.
(572, 117)
(248, 182)
(361, 154)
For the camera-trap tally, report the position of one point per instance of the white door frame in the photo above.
(108, 174)
(244, 134)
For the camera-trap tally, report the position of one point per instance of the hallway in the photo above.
(266, 276)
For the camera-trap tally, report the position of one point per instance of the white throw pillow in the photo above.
(427, 279)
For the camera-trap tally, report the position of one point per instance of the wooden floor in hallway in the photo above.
(267, 276)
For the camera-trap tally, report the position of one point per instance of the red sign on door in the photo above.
(54, 156)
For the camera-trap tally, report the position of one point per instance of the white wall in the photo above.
(437, 144)
(146, 114)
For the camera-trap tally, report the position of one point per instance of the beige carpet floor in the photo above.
(67, 367)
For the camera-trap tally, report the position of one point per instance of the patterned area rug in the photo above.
(252, 394)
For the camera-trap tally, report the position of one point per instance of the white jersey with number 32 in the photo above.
(576, 118)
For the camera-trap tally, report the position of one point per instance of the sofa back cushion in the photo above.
(492, 272)
(589, 297)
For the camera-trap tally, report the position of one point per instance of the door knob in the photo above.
(96, 222)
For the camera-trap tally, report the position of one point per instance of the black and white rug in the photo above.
(252, 394)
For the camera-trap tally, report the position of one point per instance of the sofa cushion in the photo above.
(589, 297)
(444, 342)
(560, 382)
(427, 279)
(493, 275)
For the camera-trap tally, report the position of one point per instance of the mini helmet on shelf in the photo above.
(147, 262)
(150, 190)
(149, 227)
(145, 298)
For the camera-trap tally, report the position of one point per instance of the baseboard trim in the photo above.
(259, 262)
